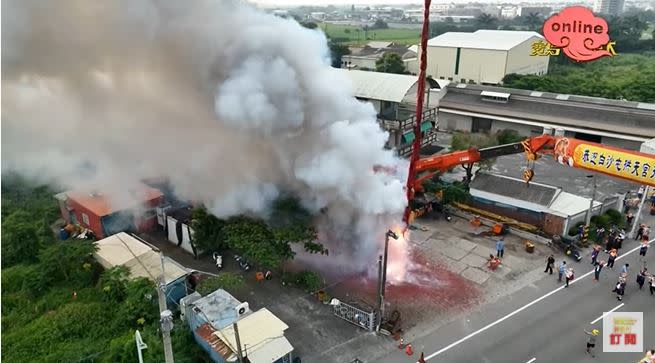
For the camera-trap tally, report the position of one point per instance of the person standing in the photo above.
(594, 254)
(651, 283)
(562, 270)
(629, 218)
(500, 248)
(612, 258)
(644, 248)
(569, 276)
(550, 263)
(641, 278)
(591, 342)
(625, 269)
(597, 269)
(600, 234)
(645, 234)
(640, 232)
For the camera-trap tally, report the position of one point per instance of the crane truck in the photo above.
(629, 165)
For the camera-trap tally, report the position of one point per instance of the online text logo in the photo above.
(623, 332)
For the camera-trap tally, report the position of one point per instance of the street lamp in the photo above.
(585, 233)
(382, 265)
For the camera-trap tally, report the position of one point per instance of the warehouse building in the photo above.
(484, 56)
(476, 108)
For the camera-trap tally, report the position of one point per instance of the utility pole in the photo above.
(585, 233)
(380, 293)
(383, 277)
(236, 336)
(166, 316)
(638, 216)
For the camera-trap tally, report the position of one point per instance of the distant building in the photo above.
(544, 11)
(106, 216)
(510, 12)
(608, 7)
(318, 15)
(365, 58)
(261, 334)
(484, 56)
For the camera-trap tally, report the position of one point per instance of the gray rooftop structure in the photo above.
(631, 120)
(515, 188)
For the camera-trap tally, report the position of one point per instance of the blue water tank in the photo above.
(63, 235)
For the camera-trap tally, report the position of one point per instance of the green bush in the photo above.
(508, 136)
(615, 217)
(601, 221)
(226, 281)
(309, 280)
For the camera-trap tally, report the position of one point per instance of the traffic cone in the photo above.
(409, 350)
(402, 343)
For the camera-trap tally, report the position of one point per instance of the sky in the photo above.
(274, 3)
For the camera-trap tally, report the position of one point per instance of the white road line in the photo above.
(604, 314)
(491, 325)
(531, 360)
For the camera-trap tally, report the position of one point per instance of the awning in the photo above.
(425, 126)
(408, 137)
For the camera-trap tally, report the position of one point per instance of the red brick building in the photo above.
(105, 216)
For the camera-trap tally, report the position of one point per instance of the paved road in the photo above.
(541, 323)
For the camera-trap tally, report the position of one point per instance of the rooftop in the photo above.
(102, 205)
(483, 39)
(635, 119)
(384, 86)
(123, 249)
(218, 307)
(536, 196)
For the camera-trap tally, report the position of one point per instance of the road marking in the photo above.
(604, 314)
(491, 325)
(531, 360)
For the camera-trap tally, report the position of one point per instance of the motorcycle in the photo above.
(243, 264)
(218, 260)
(567, 246)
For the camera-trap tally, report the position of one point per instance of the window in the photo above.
(85, 219)
(463, 80)
(481, 125)
(442, 77)
(450, 78)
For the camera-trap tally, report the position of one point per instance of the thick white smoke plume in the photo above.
(233, 106)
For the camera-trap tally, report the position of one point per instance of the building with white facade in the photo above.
(608, 7)
(484, 56)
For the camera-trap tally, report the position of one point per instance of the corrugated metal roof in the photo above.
(570, 204)
(206, 332)
(262, 334)
(483, 39)
(124, 250)
(379, 86)
(536, 193)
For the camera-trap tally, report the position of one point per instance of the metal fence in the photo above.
(355, 315)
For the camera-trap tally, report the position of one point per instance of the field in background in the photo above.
(351, 35)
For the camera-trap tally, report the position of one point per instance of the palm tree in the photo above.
(486, 21)
(533, 21)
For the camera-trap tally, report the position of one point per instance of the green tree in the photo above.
(390, 63)
(140, 303)
(68, 261)
(20, 241)
(309, 25)
(114, 283)
(380, 24)
(207, 230)
(255, 241)
(533, 21)
(486, 21)
(337, 51)
(293, 224)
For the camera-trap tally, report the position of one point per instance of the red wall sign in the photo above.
(578, 33)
